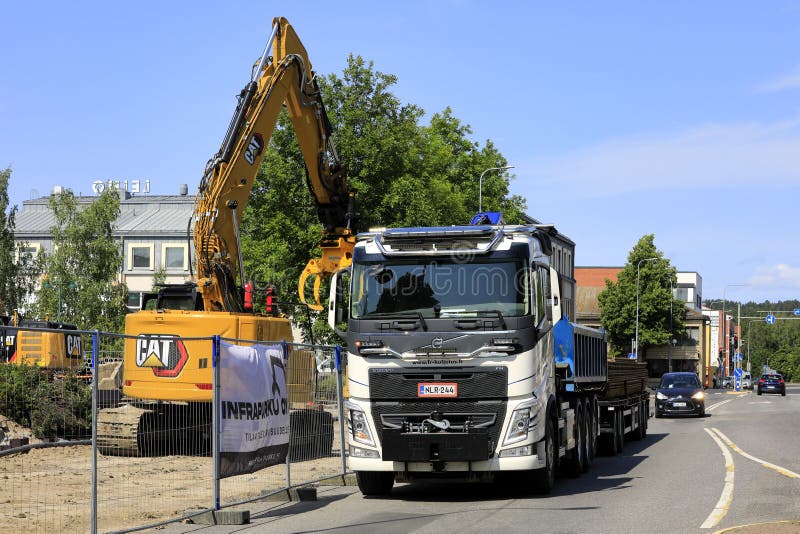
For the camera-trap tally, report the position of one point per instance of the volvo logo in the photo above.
(437, 343)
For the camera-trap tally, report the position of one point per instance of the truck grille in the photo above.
(482, 414)
(481, 383)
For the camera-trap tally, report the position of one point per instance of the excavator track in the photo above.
(118, 430)
(155, 429)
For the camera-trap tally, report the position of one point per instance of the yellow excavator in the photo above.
(166, 374)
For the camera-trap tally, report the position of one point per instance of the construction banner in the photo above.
(254, 408)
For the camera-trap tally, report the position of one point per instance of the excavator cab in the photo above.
(179, 297)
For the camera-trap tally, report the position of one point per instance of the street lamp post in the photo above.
(726, 329)
(671, 300)
(636, 343)
(480, 183)
(57, 287)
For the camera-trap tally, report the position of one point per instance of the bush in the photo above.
(52, 406)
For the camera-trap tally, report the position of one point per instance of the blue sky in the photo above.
(621, 118)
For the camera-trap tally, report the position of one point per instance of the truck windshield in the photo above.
(449, 289)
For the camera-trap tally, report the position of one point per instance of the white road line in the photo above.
(720, 403)
(726, 497)
(779, 469)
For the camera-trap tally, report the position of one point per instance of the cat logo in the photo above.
(165, 354)
(73, 345)
(254, 148)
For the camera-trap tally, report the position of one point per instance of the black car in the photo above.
(771, 383)
(680, 394)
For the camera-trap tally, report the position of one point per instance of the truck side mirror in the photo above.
(338, 301)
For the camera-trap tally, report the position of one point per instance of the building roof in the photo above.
(146, 215)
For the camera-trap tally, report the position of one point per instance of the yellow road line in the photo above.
(777, 468)
(726, 497)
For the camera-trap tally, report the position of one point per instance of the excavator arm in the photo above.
(285, 77)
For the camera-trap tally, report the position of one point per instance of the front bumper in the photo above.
(680, 406)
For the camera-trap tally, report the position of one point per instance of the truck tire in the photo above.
(375, 483)
(587, 438)
(575, 464)
(638, 432)
(619, 431)
(594, 426)
(545, 478)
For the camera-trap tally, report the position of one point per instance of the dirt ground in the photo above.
(49, 489)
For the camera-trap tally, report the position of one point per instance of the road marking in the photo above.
(779, 469)
(720, 403)
(726, 497)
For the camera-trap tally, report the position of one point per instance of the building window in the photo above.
(140, 256)
(27, 251)
(174, 257)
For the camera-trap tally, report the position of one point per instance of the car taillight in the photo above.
(780, 381)
(760, 380)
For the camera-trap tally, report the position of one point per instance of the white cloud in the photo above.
(785, 83)
(710, 155)
(780, 277)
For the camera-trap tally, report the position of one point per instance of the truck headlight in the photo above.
(519, 426)
(359, 428)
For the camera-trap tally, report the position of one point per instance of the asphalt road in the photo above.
(739, 465)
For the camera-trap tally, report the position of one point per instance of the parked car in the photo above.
(680, 394)
(771, 383)
(747, 381)
(727, 382)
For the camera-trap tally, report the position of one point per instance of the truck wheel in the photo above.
(577, 460)
(587, 438)
(594, 426)
(545, 478)
(638, 433)
(645, 417)
(375, 483)
(619, 431)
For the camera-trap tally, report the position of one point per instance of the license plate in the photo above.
(437, 389)
(679, 404)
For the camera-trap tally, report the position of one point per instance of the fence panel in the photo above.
(45, 430)
(153, 454)
(314, 442)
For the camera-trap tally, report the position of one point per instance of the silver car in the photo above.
(747, 381)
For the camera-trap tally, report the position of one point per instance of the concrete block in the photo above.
(223, 517)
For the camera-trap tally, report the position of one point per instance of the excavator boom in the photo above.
(283, 78)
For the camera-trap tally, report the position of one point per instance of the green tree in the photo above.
(84, 265)
(405, 174)
(18, 270)
(618, 300)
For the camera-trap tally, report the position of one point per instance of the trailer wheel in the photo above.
(587, 430)
(594, 427)
(545, 478)
(577, 459)
(639, 432)
(375, 483)
(645, 417)
(619, 431)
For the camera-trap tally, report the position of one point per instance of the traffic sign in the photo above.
(796, 311)
(737, 373)
(770, 319)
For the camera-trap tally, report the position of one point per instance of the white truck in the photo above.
(462, 360)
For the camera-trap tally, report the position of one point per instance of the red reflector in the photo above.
(129, 382)
(204, 386)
